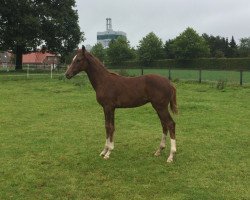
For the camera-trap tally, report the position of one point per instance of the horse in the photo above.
(116, 91)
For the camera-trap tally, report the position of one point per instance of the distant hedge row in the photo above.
(203, 63)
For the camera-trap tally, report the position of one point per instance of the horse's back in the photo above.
(136, 91)
(148, 83)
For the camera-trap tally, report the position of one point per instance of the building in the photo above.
(6, 59)
(105, 37)
(41, 60)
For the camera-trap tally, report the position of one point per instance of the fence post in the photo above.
(241, 77)
(169, 73)
(51, 68)
(142, 70)
(199, 75)
(28, 69)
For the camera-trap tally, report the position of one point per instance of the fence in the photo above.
(241, 77)
(199, 75)
(30, 71)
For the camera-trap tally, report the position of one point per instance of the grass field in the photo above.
(52, 132)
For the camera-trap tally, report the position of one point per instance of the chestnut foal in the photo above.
(115, 91)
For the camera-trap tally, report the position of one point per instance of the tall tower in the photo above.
(108, 24)
(105, 37)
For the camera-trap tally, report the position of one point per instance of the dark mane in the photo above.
(94, 60)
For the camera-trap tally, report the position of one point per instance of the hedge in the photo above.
(202, 63)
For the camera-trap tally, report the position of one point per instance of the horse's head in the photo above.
(78, 64)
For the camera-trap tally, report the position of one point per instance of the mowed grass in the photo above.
(52, 132)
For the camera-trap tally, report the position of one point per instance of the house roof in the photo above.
(36, 57)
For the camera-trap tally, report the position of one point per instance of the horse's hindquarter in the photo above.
(159, 89)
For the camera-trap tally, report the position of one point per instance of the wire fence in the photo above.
(32, 71)
(197, 75)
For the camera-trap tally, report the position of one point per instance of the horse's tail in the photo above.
(173, 102)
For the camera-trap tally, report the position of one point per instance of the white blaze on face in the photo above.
(74, 58)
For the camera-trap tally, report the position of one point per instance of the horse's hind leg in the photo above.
(161, 111)
(163, 139)
(167, 124)
(109, 125)
(171, 128)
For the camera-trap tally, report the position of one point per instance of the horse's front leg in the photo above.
(110, 128)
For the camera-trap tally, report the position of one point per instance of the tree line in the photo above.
(26, 26)
(188, 45)
(52, 25)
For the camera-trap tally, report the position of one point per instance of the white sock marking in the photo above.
(109, 146)
(163, 141)
(172, 150)
(173, 145)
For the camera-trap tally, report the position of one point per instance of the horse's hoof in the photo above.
(157, 153)
(106, 157)
(101, 154)
(169, 160)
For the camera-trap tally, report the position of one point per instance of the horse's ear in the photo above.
(83, 48)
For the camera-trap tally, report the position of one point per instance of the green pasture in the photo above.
(52, 131)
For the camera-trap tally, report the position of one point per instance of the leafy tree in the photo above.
(134, 53)
(244, 47)
(67, 59)
(99, 51)
(150, 48)
(119, 50)
(169, 50)
(219, 46)
(27, 24)
(232, 43)
(189, 45)
(219, 54)
(233, 49)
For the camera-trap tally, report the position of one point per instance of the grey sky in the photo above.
(166, 18)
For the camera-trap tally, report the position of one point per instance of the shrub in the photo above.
(221, 84)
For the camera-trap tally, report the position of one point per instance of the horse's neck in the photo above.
(97, 74)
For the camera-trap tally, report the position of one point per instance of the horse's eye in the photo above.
(78, 60)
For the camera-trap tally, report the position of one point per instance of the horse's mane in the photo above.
(113, 73)
(94, 60)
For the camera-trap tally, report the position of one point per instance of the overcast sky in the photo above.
(166, 18)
